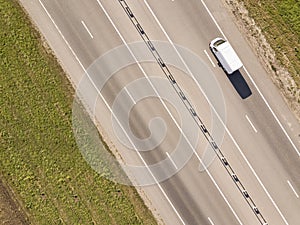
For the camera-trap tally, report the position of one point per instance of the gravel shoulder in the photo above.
(280, 63)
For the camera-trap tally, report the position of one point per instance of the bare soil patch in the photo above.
(10, 211)
(281, 63)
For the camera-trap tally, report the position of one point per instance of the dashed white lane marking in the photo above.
(271, 110)
(238, 147)
(209, 58)
(251, 124)
(76, 57)
(211, 222)
(87, 29)
(209, 174)
(264, 99)
(125, 43)
(293, 189)
(171, 160)
(255, 85)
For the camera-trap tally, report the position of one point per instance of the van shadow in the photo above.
(239, 84)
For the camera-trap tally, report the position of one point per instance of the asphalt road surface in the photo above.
(148, 117)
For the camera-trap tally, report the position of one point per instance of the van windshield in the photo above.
(219, 42)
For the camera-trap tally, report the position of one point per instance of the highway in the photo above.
(98, 41)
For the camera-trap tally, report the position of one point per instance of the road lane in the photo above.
(89, 51)
(163, 14)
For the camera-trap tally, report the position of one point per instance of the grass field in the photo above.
(39, 157)
(280, 23)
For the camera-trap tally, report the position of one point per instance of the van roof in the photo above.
(230, 58)
(226, 55)
(233, 62)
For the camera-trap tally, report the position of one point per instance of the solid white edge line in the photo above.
(209, 174)
(87, 29)
(209, 58)
(293, 189)
(251, 123)
(132, 99)
(275, 205)
(262, 96)
(228, 132)
(125, 43)
(211, 222)
(67, 43)
(167, 36)
(213, 19)
(171, 160)
(272, 112)
(170, 114)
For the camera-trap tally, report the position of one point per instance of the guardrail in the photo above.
(193, 112)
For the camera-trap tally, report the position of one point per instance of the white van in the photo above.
(225, 54)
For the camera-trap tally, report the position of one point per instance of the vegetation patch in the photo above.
(273, 29)
(39, 158)
(280, 23)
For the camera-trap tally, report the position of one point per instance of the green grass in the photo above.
(39, 157)
(280, 23)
